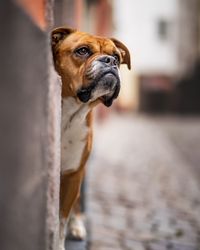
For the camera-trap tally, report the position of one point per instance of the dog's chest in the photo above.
(74, 132)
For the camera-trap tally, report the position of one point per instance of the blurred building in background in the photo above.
(186, 96)
(150, 31)
(164, 40)
(87, 15)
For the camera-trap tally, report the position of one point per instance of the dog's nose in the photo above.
(108, 60)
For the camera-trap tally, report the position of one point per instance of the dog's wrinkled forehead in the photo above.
(97, 45)
(65, 40)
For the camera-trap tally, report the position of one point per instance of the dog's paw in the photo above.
(61, 247)
(76, 228)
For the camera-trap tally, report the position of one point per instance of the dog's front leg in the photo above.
(62, 233)
(76, 226)
(69, 192)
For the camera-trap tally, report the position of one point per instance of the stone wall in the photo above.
(29, 133)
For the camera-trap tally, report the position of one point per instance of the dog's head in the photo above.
(88, 65)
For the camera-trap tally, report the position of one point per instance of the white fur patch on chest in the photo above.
(73, 133)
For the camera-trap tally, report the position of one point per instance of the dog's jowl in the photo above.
(89, 69)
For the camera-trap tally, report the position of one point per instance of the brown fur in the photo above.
(72, 71)
(71, 182)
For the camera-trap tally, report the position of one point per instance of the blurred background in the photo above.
(142, 185)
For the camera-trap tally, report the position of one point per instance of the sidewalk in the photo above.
(75, 245)
(143, 184)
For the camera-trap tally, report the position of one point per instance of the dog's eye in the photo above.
(83, 51)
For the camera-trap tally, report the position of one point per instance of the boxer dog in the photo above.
(89, 69)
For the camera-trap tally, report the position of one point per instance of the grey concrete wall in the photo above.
(29, 134)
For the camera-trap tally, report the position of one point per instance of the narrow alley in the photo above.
(143, 184)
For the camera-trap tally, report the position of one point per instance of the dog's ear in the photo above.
(58, 34)
(126, 58)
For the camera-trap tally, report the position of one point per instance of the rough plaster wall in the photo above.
(29, 134)
(54, 158)
(54, 117)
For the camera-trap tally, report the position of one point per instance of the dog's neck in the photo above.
(73, 111)
(74, 131)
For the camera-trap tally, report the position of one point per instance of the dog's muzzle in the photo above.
(104, 81)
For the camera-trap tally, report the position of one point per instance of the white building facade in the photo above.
(149, 29)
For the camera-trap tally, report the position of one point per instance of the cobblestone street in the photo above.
(143, 184)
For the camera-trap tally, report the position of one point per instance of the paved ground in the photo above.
(144, 184)
(75, 245)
